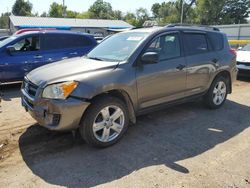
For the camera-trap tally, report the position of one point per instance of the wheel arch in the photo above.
(123, 96)
(226, 74)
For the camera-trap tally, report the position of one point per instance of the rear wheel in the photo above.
(217, 93)
(105, 122)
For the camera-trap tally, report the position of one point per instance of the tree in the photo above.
(142, 15)
(130, 18)
(101, 9)
(209, 12)
(4, 19)
(155, 9)
(213, 12)
(170, 12)
(22, 8)
(236, 12)
(71, 14)
(84, 15)
(117, 15)
(56, 10)
(44, 14)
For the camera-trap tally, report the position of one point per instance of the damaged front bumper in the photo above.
(54, 114)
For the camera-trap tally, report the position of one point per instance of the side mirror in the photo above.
(10, 49)
(150, 58)
(240, 48)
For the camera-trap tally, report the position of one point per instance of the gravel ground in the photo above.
(183, 146)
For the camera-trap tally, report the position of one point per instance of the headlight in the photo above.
(59, 91)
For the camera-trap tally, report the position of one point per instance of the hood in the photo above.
(70, 69)
(243, 56)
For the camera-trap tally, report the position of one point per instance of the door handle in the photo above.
(180, 67)
(38, 56)
(215, 60)
(73, 53)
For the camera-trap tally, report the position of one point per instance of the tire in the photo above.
(99, 127)
(222, 86)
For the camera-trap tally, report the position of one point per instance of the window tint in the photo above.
(62, 41)
(195, 43)
(217, 41)
(167, 46)
(27, 44)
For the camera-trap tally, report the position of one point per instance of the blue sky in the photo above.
(80, 5)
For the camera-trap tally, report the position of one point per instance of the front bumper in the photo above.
(58, 115)
(243, 69)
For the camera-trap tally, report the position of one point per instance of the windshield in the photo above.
(117, 47)
(246, 48)
(6, 41)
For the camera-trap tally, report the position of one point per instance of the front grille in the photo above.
(28, 102)
(243, 63)
(30, 88)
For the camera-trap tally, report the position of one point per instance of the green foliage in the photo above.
(101, 10)
(170, 12)
(117, 15)
(84, 15)
(209, 12)
(213, 12)
(141, 15)
(156, 9)
(22, 8)
(71, 14)
(236, 12)
(4, 19)
(56, 10)
(44, 14)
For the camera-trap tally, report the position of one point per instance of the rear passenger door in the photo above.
(201, 61)
(62, 46)
(55, 48)
(79, 45)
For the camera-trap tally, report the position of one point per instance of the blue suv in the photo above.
(19, 54)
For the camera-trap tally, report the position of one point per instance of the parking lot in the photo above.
(183, 146)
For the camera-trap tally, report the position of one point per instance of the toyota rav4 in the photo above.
(129, 74)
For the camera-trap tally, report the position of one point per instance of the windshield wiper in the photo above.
(95, 58)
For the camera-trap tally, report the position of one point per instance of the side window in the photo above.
(80, 41)
(63, 41)
(167, 46)
(195, 43)
(28, 44)
(216, 40)
(54, 41)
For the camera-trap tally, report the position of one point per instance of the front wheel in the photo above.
(217, 93)
(105, 122)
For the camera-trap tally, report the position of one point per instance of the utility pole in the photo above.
(64, 9)
(182, 10)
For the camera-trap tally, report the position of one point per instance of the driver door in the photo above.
(165, 80)
(25, 57)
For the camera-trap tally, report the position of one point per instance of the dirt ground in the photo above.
(183, 146)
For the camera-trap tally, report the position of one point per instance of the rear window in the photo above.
(216, 40)
(195, 43)
(59, 41)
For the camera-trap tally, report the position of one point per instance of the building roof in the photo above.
(26, 22)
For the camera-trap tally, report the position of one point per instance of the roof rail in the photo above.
(191, 25)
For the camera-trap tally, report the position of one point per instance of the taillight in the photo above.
(233, 52)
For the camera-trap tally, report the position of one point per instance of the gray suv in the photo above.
(129, 74)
